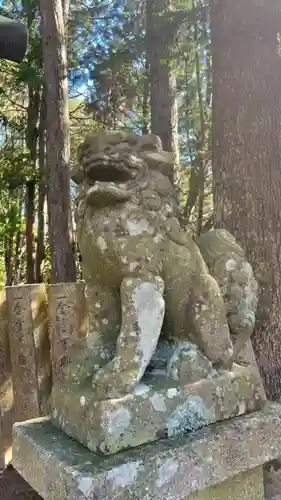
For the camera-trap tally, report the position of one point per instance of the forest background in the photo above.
(204, 77)
(111, 47)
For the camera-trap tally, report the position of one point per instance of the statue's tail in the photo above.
(228, 265)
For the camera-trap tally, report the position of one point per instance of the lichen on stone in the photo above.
(147, 275)
(167, 315)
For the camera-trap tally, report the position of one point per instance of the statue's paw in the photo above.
(105, 383)
(225, 361)
(101, 391)
(107, 388)
(81, 370)
(114, 381)
(188, 364)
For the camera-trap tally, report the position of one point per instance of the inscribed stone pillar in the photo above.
(68, 321)
(2, 454)
(5, 361)
(30, 349)
(6, 386)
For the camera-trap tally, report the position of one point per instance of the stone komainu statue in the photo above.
(146, 281)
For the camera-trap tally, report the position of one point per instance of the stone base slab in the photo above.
(245, 486)
(175, 469)
(158, 408)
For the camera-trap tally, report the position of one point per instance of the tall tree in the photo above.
(160, 31)
(40, 247)
(108, 87)
(247, 155)
(30, 9)
(57, 139)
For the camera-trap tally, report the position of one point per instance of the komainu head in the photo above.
(117, 165)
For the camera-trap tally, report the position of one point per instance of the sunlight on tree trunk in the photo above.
(57, 140)
(159, 39)
(247, 155)
(40, 248)
(31, 142)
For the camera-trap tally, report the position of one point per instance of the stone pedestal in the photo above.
(158, 408)
(220, 461)
(244, 486)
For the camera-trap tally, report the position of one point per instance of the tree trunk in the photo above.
(247, 155)
(31, 142)
(8, 253)
(159, 38)
(29, 233)
(40, 248)
(18, 239)
(145, 100)
(196, 191)
(65, 10)
(57, 140)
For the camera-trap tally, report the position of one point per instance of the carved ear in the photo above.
(149, 142)
(162, 161)
(151, 150)
(117, 137)
(92, 142)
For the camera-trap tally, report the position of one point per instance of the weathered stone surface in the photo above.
(5, 359)
(30, 349)
(272, 480)
(147, 285)
(139, 266)
(234, 274)
(68, 322)
(6, 385)
(158, 408)
(187, 364)
(246, 486)
(247, 357)
(2, 454)
(58, 467)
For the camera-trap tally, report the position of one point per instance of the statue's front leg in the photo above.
(142, 318)
(98, 348)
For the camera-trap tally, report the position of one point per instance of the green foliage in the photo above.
(16, 168)
(109, 88)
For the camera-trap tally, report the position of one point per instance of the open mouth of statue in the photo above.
(109, 173)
